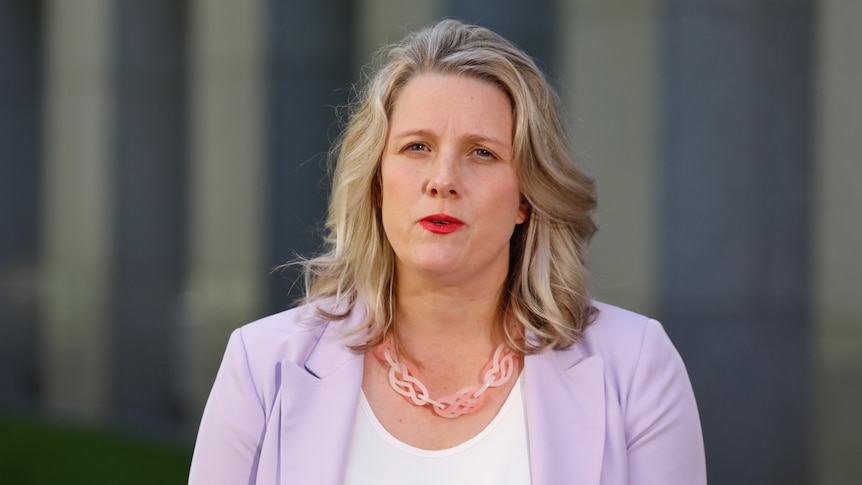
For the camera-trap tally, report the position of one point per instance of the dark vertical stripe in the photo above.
(149, 193)
(736, 213)
(309, 76)
(530, 25)
(20, 173)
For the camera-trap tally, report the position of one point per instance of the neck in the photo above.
(450, 313)
(448, 324)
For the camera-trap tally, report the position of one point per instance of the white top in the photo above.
(498, 455)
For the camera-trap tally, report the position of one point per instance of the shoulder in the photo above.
(290, 335)
(289, 324)
(651, 415)
(278, 331)
(646, 378)
(627, 342)
(615, 331)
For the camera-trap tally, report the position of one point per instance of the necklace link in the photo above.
(402, 379)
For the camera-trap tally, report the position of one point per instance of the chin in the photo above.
(439, 266)
(436, 269)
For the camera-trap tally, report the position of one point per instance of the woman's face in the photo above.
(450, 196)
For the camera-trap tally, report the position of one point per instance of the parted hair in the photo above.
(546, 294)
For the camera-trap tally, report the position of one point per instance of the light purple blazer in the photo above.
(617, 408)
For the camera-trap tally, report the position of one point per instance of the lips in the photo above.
(441, 223)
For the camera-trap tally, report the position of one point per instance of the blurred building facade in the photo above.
(161, 157)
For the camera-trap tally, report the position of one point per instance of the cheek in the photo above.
(510, 200)
(397, 188)
(388, 193)
(384, 188)
(389, 180)
(392, 204)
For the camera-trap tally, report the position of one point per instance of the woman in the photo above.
(447, 334)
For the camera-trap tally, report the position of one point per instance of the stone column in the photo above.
(382, 22)
(77, 208)
(226, 182)
(837, 240)
(608, 53)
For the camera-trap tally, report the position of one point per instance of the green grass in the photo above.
(34, 452)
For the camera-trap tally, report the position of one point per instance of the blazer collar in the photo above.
(565, 401)
(330, 352)
(318, 402)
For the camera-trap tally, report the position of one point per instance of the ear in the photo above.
(523, 211)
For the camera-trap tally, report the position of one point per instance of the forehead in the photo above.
(458, 102)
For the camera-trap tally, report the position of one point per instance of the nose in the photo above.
(443, 178)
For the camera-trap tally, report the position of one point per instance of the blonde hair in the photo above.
(546, 289)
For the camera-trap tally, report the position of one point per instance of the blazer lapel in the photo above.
(318, 404)
(565, 400)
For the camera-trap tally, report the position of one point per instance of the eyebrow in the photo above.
(472, 137)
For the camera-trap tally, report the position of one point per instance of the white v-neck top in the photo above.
(498, 455)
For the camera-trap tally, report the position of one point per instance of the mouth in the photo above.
(441, 223)
(442, 219)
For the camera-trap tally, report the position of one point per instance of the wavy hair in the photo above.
(546, 291)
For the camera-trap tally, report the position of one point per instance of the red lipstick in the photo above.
(441, 223)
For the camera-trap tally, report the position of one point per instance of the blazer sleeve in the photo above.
(663, 434)
(233, 424)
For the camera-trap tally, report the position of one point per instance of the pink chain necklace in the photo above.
(402, 379)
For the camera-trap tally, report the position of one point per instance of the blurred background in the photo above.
(159, 157)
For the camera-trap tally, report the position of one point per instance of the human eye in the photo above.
(484, 154)
(415, 147)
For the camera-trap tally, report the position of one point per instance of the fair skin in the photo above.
(450, 200)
